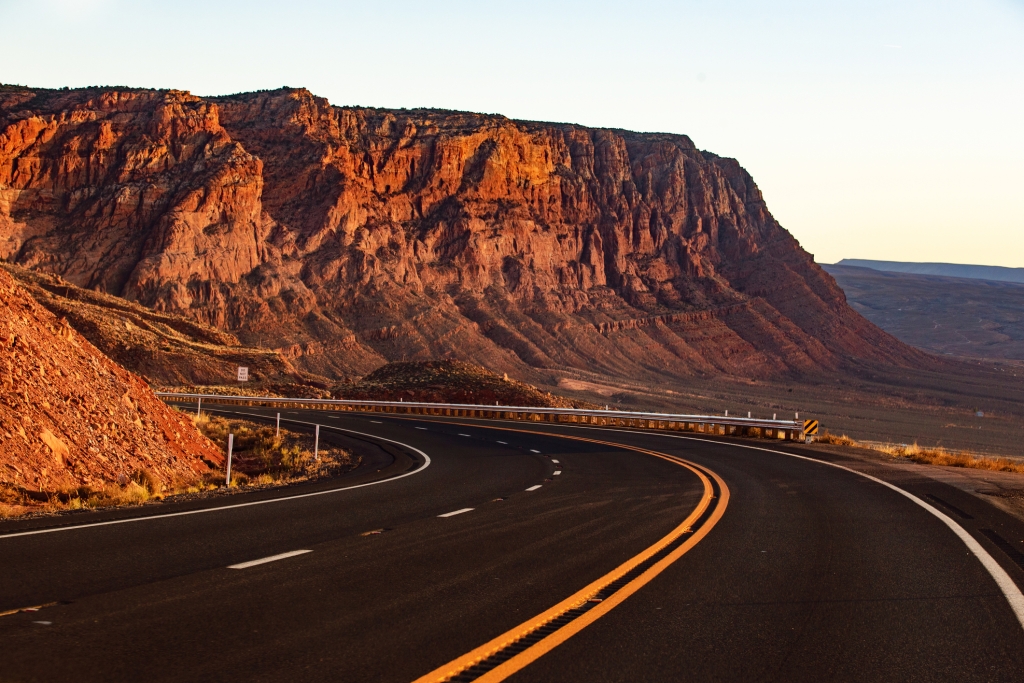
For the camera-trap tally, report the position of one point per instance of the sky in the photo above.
(888, 130)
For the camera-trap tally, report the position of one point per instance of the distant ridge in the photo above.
(997, 273)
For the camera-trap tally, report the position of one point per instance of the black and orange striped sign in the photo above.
(810, 427)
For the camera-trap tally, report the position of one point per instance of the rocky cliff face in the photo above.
(347, 236)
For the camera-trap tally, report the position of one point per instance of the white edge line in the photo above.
(264, 560)
(534, 487)
(1006, 585)
(457, 512)
(426, 464)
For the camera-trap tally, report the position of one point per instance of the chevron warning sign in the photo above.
(810, 427)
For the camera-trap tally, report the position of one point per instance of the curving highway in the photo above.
(479, 550)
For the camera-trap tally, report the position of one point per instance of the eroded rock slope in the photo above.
(165, 349)
(71, 417)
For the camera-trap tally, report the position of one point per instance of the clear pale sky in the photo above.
(890, 130)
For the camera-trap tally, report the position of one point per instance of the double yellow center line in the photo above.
(501, 657)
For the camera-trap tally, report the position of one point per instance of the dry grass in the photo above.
(7, 511)
(140, 488)
(929, 456)
(836, 439)
(941, 456)
(263, 458)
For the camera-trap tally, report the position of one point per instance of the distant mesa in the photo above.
(995, 273)
(957, 316)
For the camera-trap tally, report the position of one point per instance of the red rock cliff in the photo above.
(349, 236)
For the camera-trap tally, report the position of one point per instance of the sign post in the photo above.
(231, 447)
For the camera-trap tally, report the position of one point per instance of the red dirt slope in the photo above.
(71, 417)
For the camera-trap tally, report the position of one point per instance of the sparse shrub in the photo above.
(149, 481)
(131, 494)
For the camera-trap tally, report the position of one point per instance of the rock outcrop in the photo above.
(71, 417)
(346, 237)
(450, 381)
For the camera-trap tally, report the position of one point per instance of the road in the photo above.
(811, 573)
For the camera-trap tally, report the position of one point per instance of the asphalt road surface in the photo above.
(812, 573)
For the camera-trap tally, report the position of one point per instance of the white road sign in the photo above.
(243, 374)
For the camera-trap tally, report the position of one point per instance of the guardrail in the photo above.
(793, 430)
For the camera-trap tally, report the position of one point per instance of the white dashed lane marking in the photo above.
(457, 512)
(463, 434)
(376, 422)
(554, 461)
(423, 428)
(264, 560)
(503, 443)
(533, 451)
(534, 488)
(556, 473)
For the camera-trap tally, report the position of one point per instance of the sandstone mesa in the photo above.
(346, 237)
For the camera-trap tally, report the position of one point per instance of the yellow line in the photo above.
(555, 639)
(34, 608)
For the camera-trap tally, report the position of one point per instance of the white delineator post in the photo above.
(231, 447)
(278, 434)
(199, 408)
(316, 444)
